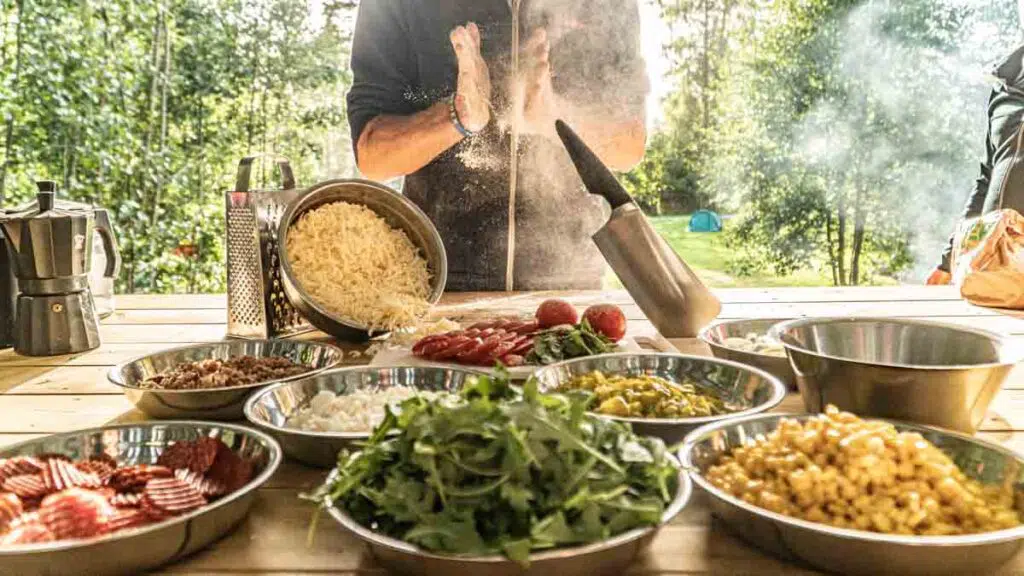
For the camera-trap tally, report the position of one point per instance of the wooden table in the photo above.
(45, 395)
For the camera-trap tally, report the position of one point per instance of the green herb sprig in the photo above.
(562, 343)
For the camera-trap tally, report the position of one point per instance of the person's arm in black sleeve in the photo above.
(973, 208)
(390, 136)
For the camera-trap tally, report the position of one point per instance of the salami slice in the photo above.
(62, 474)
(166, 497)
(27, 486)
(19, 465)
(126, 500)
(207, 487)
(128, 518)
(10, 508)
(134, 478)
(75, 513)
(28, 533)
(230, 470)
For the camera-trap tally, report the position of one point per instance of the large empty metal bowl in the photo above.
(853, 551)
(746, 389)
(213, 403)
(715, 337)
(271, 407)
(926, 372)
(135, 551)
(397, 210)
(610, 557)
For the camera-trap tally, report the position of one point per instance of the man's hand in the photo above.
(540, 105)
(473, 94)
(939, 277)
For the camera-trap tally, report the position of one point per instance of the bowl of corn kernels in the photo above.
(862, 496)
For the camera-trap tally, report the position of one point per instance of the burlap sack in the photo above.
(988, 260)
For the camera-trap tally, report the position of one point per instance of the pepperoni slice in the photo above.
(426, 341)
(528, 327)
(479, 355)
(500, 350)
(456, 348)
(511, 360)
(433, 348)
(523, 347)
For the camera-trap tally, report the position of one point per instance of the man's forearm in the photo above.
(619, 143)
(393, 146)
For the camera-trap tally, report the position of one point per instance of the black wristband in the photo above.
(453, 113)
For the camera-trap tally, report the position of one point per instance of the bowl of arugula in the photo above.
(504, 480)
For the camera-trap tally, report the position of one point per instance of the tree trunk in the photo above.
(858, 237)
(830, 243)
(706, 81)
(841, 241)
(164, 83)
(9, 129)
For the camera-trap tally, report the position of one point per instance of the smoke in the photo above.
(913, 121)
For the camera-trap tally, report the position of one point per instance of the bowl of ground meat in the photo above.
(213, 381)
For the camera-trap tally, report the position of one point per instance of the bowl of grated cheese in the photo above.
(359, 259)
(314, 418)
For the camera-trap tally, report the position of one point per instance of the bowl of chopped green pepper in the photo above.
(665, 395)
(504, 480)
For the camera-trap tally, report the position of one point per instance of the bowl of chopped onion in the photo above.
(316, 417)
(748, 342)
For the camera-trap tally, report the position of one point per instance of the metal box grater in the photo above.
(257, 305)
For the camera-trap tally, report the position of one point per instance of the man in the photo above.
(1000, 183)
(431, 101)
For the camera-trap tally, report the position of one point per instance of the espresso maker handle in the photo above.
(245, 169)
(113, 253)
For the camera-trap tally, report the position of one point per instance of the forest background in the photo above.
(840, 136)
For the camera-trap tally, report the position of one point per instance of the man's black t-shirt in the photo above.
(403, 62)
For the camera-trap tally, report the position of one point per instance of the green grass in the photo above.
(707, 255)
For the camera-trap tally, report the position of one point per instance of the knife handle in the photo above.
(597, 178)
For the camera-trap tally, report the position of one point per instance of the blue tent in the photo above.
(705, 221)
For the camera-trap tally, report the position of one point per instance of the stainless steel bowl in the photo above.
(397, 210)
(854, 551)
(610, 557)
(271, 407)
(745, 389)
(213, 403)
(716, 334)
(926, 372)
(137, 550)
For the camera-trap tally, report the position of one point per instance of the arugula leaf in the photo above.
(561, 343)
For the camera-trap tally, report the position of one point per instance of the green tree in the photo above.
(146, 107)
(850, 130)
